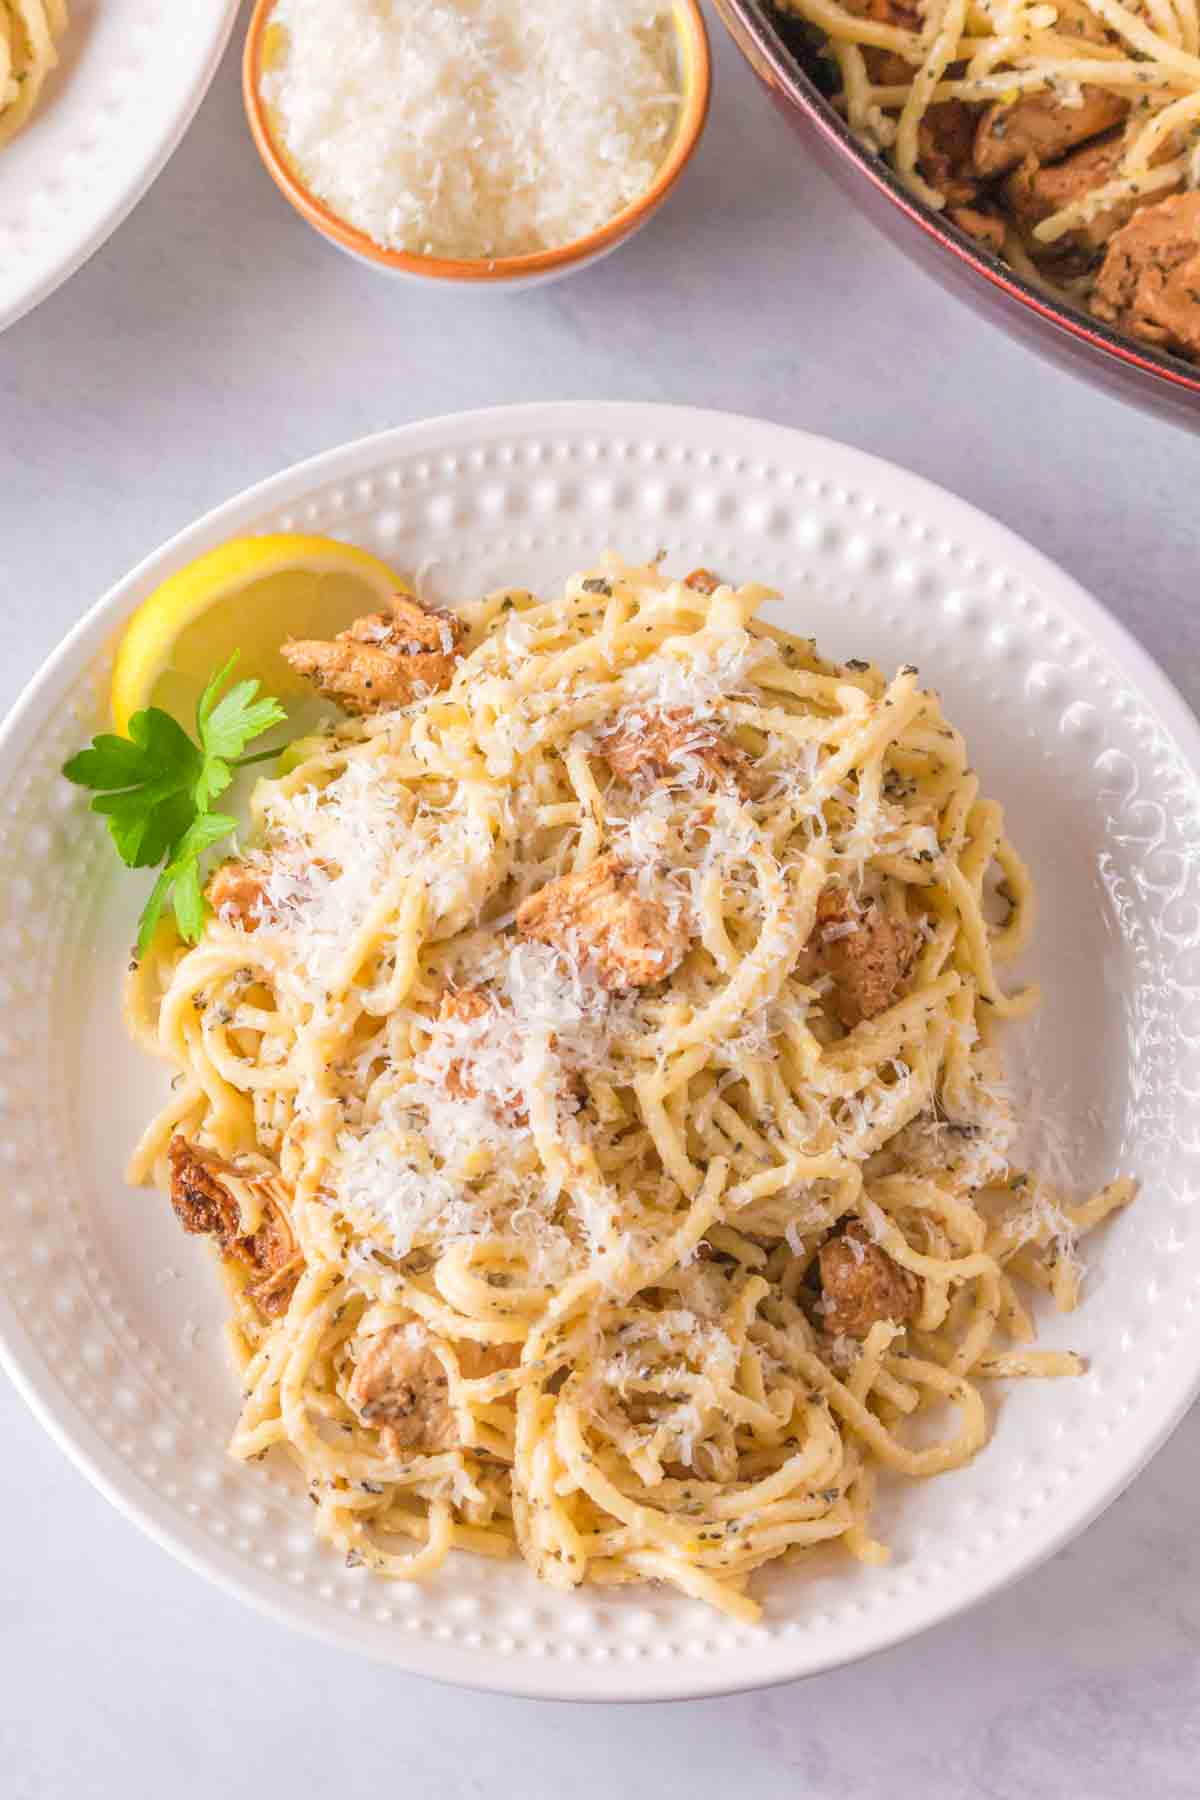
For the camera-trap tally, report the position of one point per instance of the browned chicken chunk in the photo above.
(477, 1361)
(204, 1204)
(905, 14)
(464, 1006)
(861, 1284)
(986, 228)
(946, 142)
(402, 1387)
(1032, 193)
(655, 746)
(467, 1006)
(1078, 22)
(703, 581)
(236, 893)
(602, 919)
(1149, 282)
(1043, 126)
(383, 659)
(869, 963)
(884, 66)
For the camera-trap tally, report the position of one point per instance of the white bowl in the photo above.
(125, 91)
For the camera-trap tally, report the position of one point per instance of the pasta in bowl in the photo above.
(589, 1075)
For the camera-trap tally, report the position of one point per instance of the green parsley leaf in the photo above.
(227, 725)
(145, 783)
(156, 789)
(180, 881)
(143, 828)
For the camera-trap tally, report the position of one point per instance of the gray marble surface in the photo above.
(215, 340)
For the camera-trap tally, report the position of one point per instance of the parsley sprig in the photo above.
(156, 788)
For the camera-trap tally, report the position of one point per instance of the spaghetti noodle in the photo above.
(591, 1080)
(29, 34)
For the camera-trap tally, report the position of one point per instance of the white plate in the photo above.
(132, 74)
(109, 1319)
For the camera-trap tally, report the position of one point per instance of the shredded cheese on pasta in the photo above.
(588, 1219)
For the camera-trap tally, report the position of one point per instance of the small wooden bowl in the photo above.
(508, 272)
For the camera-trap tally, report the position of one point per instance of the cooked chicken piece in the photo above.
(236, 893)
(703, 580)
(465, 1006)
(885, 67)
(869, 963)
(861, 1284)
(987, 228)
(477, 1361)
(401, 1385)
(654, 746)
(204, 1204)
(1041, 125)
(1149, 282)
(600, 917)
(383, 660)
(1032, 193)
(1074, 20)
(946, 142)
(906, 15)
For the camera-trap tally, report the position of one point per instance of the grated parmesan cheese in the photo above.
(475, 128)
(377, 1177)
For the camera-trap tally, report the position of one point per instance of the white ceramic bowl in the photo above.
(110, 1321)
(132, 74)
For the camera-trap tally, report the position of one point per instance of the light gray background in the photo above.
(213, 341)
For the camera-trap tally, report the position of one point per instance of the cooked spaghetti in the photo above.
(1062, 134)
(29, 34)
(590, 1080)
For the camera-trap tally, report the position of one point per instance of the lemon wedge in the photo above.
(247, 595)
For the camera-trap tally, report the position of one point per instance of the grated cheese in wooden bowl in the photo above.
(474, 129)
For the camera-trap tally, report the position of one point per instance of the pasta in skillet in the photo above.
(1063, 135)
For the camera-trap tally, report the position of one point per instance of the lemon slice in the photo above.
(248, 595)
